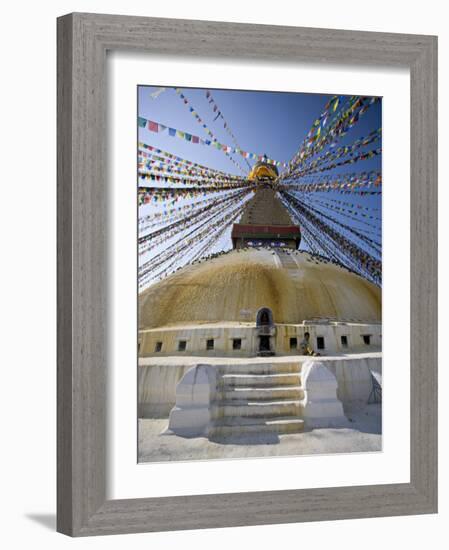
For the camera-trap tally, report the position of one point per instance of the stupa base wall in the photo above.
(243, 339)
(159, 376)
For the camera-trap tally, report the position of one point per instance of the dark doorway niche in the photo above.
(264, 343)
(264, 317)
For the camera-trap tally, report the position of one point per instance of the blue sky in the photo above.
(274, 123)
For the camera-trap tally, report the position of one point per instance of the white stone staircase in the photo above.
(257, 398)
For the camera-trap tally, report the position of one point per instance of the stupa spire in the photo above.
(265, 220)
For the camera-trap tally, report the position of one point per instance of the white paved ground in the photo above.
(363, 436)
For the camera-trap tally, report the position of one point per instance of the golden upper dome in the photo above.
(232, 287)
(263, 170)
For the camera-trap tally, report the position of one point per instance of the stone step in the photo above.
(262, 393)
(229, 381)
(256, 408)
(287, 262)
(260, 368)
(254, 426)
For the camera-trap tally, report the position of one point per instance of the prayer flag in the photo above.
(142, 122)
(157, 93)
(153, 126)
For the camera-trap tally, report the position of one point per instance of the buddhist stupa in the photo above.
(213, 307)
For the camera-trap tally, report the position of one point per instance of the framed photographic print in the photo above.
(247, 274)
(259, 279)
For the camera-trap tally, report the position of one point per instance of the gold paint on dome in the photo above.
(295, 286)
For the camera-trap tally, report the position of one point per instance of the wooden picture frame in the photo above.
(83, 40)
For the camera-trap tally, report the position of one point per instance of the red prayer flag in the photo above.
(153, 126)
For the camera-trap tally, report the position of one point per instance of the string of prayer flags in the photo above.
(365, 262)
(161, 167)
(169, 214)
(179, 161)
(157, 127)
(347, 210)
(226, 126)
(352, 160)
(156, 237)
(187, 240)
(345, 118)
(364, 238)
(202, 241)
(354, 205)
(206, 129)
(330, 182)
(189, 181)
(148, 195)
(340, 152)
